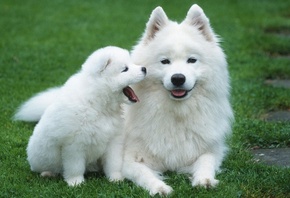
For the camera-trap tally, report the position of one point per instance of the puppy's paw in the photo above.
(115, 177)
(162, 189)
(205, 182)
(75, 181)
(47, 174)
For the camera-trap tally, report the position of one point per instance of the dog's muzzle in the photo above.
(178, 81)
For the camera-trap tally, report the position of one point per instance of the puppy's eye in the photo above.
(191, 60)
(165, 61)
(126, 69)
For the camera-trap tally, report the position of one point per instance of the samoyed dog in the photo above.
(185, 114)
(78, 120)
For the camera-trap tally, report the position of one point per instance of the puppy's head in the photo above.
(112, 67)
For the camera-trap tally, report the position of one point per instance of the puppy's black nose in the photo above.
(143, 69)
(178, 79)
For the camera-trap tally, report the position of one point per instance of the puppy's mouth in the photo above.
(130, 94)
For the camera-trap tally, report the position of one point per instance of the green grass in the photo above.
(43, 42)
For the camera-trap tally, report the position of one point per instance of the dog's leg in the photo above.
(204, 169)
(74, 165)
(145, 177)
(113, 159)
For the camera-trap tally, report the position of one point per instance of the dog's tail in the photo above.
(32, 109)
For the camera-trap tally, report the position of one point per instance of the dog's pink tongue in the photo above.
(178, 92)
(128, 91)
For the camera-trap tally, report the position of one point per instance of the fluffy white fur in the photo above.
(79, 119)
(33, 109)
(184, 117)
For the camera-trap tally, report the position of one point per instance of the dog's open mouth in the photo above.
(128, 91)
(179, 93)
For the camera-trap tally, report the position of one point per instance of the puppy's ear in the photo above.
(97, 62)
(196, 17)
(157, 21)
(105, 64)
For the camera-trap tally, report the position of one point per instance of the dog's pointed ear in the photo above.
(157, 21)
(196, 17)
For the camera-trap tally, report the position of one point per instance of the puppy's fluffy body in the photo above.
(84, 116)
(184, 117)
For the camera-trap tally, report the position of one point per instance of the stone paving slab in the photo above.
(277, 157)
(279, 83)
(277, 116)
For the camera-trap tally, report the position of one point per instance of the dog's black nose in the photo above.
(178, 79)
(143, 69)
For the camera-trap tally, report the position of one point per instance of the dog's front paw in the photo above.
(161, 189)
(75, 181)
(205, 182)
(115, 177)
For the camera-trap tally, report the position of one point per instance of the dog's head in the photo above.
(180, 56)
(112, 67)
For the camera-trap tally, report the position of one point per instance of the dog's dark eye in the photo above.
(126, 69)
(165, 61)
(191, 60)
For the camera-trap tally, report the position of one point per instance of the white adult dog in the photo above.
(184, 117)
(79, 119)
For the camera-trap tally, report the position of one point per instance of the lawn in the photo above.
(43, 42)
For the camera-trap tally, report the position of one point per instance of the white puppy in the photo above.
(185, 114)
(83, 117)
